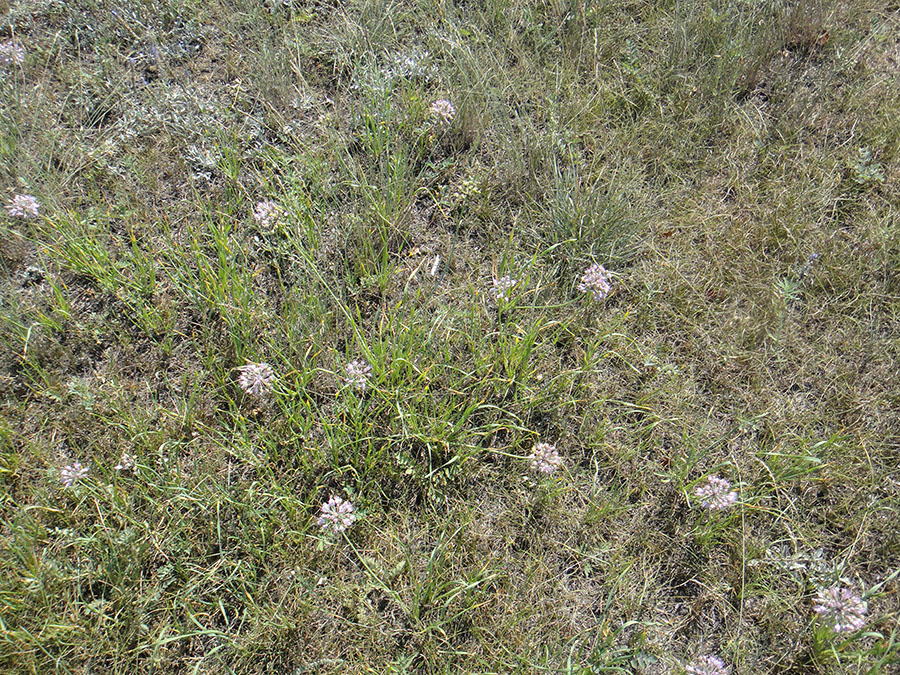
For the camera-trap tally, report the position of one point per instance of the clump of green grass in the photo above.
(432, 337)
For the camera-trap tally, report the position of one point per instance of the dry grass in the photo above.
(733, 164)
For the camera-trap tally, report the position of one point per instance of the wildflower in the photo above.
(32, 275)
(468, 187)
(502, 288)
(804, 270)
(358, 373)
(23, 206)
(545, 458)
(337, 514)
(844, 610)
(442, 110)
(71, 473)
(126, 463)
(595, 280)
(707, 665)
(266, 214)
(12, 53)
(256, 378)
(716, 494)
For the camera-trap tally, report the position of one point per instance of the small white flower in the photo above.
(256, 379)
(23, 206)
(596, 281)
(337, 514)
(12, 53)
(716, 494)
(707, 665)
(502, 288)
(266, 215)
(841, 608)
(358, 373)
(126, 463)
(443, 111)
(545, 458)
(71, 473)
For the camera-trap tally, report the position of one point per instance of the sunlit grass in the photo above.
(434, 337)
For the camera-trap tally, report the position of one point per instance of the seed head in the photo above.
(256, 379)
(443, 111)
(707, 665)
(337, 514)
(23, 206)
(358, 373)
(545, 458)
(12, 53)
(596, 281)
(71, 473)
(266, 214)
(716, 494)
(841, 608)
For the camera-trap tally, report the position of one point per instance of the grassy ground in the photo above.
(733, 164)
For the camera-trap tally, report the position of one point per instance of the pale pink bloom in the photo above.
(502, 288)
(337, 514)
(266, 214)
(545, 458)
(23, 206)
(126, 463)
(716, 494)
(12, 53)
(71, 473)
(707, 665)
(358, 373)
(256, 379)
(596, 281)
(841, 608)
(442, 110)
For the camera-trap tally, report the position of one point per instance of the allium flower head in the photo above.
(71, 473)
(502, 287)
(596, 281)
(126, 463)
(442, 110)
(23, 206)
(841, 608)
(12, 53)
(337, 514)
(545, 458)
(716, 494)
(256, 378)
(266, 214)
(358, 373)
(707, 665)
